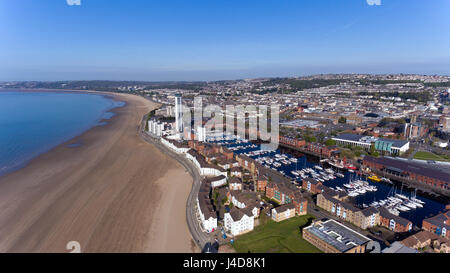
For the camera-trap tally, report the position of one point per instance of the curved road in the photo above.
(199, 237)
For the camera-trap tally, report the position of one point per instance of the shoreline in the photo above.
(115, 193)
(100, 122)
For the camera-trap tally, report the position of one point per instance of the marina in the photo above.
(363, 191)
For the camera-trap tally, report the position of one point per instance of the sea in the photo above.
(32, 123)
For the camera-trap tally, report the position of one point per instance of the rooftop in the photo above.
(337, 235)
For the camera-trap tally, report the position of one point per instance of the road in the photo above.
(199, 237)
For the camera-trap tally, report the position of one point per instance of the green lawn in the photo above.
(430, 156)
(273, 237)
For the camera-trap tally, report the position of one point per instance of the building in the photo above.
(244, 199)
(393, 222)
(398, 247)
(343, 210)
(235, 184)
(333, 237)
(283, 212)
(391, 146)
(311, 185)
(206, 212)
(439, 224)
(176, 146)
(412, 170)
(178, 113)
(322, 149)
(156, 127)
(239, 221)
(428, 240)
(292, 142)
(367, 218)
(300, 204)
(414, 130)
(216, 181)
(204, 168)
(363, 219)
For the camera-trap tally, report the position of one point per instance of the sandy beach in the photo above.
(113, 193)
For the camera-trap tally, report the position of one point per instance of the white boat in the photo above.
(401, 196)
(402, 208)
(417, 204)
(361, 191)
(329, 170)
(410, 204)
(394, 211)
(353, 194)
(417, 200)
(318, 167)
(295, 173)
(340, 175)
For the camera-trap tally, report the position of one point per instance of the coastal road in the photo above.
(199, 237)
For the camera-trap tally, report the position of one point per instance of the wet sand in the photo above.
(113, 193)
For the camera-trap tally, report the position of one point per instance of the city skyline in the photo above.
(203, 40)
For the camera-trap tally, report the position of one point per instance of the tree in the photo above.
(330, 142)
(372, 148)
(342, 120)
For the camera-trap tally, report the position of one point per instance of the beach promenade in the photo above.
(114, 192)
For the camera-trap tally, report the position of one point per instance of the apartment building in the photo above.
(393, 222)
(207, 215)
(364, 219)
(239, 221)
(439, 224)
(311, 185)
(204, 168)
(284, 212)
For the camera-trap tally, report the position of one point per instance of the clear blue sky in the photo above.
(220, 39)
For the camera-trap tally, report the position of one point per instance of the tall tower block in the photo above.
(179, 113)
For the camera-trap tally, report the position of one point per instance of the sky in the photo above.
(181, 40)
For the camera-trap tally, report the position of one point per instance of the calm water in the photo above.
(416, 216)
(32, 123)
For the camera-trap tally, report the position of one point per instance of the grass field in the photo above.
(430, 156)
(273, 237)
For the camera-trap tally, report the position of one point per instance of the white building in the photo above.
(175, 146)
(179, 113)
(204, 168)
(206, 212)
(239, 221)
(392, 146)
(217, 181)
(156, 127)
(201, 133)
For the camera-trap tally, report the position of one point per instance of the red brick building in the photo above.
(439, 224)
(293, 142)
(261, 184)
(311, 185)
(393, 222)
(322, 149)
(409, 170)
